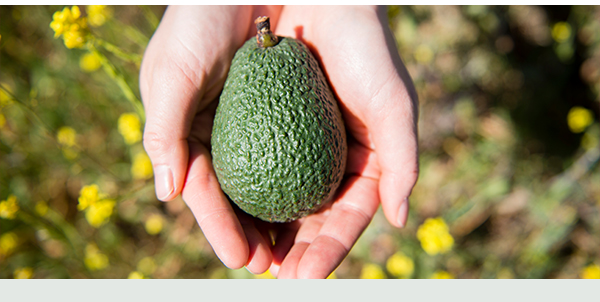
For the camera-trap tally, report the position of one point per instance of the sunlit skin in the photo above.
(183, 71)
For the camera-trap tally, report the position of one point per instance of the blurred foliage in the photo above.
(508, 143)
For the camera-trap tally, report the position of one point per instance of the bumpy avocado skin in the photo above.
(278, 140)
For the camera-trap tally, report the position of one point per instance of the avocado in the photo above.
(278, 141)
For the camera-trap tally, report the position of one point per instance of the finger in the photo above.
(274, 269)
(169, 113)
(350, 215)
(169, 93)
(217, 219)
(260, 257)
(327, 251)
(393, 126)
(181, 67)
(311, 225)
(384, 102)
(395, 139)
(289, 266)
(309, 228)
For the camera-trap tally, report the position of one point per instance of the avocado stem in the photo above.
(264, 36)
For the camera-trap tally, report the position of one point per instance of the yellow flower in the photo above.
(98, 14)
(441, 275)
(23, 273)
(141, 168)
(90, 62)
(146, 266)
(505, 273)
(135, 275)
(88, 195)
(5, 98)
(98, 213)
(41, 207)
(59, 19)
(8, 242)
(400, 266)
(71, 26)
(589, 141)
(97, 209)
(265, 275)
(372, 271)
(94, 259)
(75, 12)
(579, 118)
(423, 54)
(129, 127)
(154, 224)
(561, 32)
(434, 236)
(66, 136)
(591, 271)
(75, 37)
(69, 153)
(9, 207)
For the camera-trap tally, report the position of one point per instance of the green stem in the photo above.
(49, 132)
(45, 127)
(150, 16)
(265, 37)
(134, 192)
(132, 33)
(54, 223)
(119, 78)
(119, 53)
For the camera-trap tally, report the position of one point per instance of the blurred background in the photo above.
(509, 184)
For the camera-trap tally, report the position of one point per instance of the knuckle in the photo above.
(413, 175)
(409, 174)
(186, 72)
(156, 143)
(185, 63)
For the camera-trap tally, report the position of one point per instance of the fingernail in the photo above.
(251, 272)
(163, 182)
(274, 269)
(403, 213)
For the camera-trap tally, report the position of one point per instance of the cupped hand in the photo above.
(183, 71)
(379, 106)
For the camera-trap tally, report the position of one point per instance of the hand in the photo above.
(379, 106)
(182, 74)
(183, 71)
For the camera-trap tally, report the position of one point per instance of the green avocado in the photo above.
(278, 141)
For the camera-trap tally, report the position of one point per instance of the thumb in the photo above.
(394, 131)
(169, 93)
(170, 105)
(182, 68)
